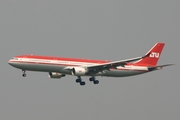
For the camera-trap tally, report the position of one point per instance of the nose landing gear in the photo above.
(24, 73)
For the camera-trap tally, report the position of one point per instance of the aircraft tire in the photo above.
(24, 75)
(82, 83)
(78, 80)
(96, 82)
(91, 79)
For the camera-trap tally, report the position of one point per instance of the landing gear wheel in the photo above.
(24, 75)
(96, 82)
(91, 79)
(78, 80)
(82, 83)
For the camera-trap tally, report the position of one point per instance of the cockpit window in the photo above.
(15, 58)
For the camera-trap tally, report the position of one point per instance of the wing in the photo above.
(114, 64)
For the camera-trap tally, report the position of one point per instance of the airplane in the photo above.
(58, 67)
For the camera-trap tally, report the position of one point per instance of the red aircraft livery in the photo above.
(58, 67)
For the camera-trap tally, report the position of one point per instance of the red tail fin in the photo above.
(152, 55)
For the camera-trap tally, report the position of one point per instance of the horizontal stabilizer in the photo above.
(158, 67)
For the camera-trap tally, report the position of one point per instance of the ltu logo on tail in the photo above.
(154, 55)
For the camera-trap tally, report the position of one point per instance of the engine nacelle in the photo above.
(78, 71)
(55, 75)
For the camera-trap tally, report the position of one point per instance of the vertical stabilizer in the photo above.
(153, 55)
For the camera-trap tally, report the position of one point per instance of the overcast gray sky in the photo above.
(95, 29)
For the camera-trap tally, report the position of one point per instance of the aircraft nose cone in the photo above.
(13, 63)
(10, 62)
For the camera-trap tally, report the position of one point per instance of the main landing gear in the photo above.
(24, 73)
(82, 83)
(93, 79)
(79, 80)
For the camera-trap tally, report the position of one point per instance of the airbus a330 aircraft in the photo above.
(58, 67)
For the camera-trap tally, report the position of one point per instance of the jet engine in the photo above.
(78, 71)
(55, 75)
